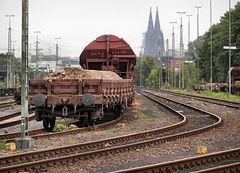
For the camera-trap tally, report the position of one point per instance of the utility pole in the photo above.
(9, 54)
(140, 71)
(37, 55)
(160, 80)
(211, 46)
(189, 15)
(181, 51)
(198, 64)
(141, 57)
(58, 38)
(25, 141)
(229, 50)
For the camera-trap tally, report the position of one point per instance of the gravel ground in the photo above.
(140, 119)
(143, 116)
(222, 138)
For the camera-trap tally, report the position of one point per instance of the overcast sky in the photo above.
(78, 22)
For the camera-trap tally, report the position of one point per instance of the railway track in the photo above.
(41, 159)
(7, 103)
(223, 161)
(42, 133)
(4, 98)
(222, 102)
(14, 122)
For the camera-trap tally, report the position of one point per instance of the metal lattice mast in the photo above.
(167, 62)
(173, 50)
(57, 50)
(173, 39)
(181, 52)
(9, 54)
(37, 55)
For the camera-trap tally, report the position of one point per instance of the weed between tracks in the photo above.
(63, 127)
(143, 117)
(220, 95)
(2, 144)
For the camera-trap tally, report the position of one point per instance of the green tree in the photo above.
(219, 39)
(153, 79)
(147, 63)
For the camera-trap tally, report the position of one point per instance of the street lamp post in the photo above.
(198, 7)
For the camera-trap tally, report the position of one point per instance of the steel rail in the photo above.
(107, 150)
(190, 163)
(16, 122)
(222, 102)
(10, 115)
(233, 168)
(41, 133)
(102, 143)
(6, 104)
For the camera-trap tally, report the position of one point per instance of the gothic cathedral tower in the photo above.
(154, 41)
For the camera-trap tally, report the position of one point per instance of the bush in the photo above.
(60, 127)
(72, 126)
(63, 127)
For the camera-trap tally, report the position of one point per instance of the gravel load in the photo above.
(80, 73)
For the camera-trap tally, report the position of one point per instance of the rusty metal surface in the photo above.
(70, 92)
(108, 52)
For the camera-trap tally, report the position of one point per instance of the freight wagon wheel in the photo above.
(117, 111)
(49, 123)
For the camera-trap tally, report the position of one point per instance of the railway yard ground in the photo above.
(142, 116)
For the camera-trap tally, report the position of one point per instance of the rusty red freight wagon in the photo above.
(109, 52)
(87, 99)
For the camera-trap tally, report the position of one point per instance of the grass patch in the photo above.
(62, 127)
(143, 117)
(208, 93)
(2, 144)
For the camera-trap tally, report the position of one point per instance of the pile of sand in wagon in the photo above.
(80, 73)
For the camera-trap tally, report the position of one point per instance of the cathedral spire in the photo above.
(157, 23)
(154, 42)
(150, 21)
(158, 36)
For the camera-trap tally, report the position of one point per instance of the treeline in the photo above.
(148, 72)
(199, 51)
(220, 38)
